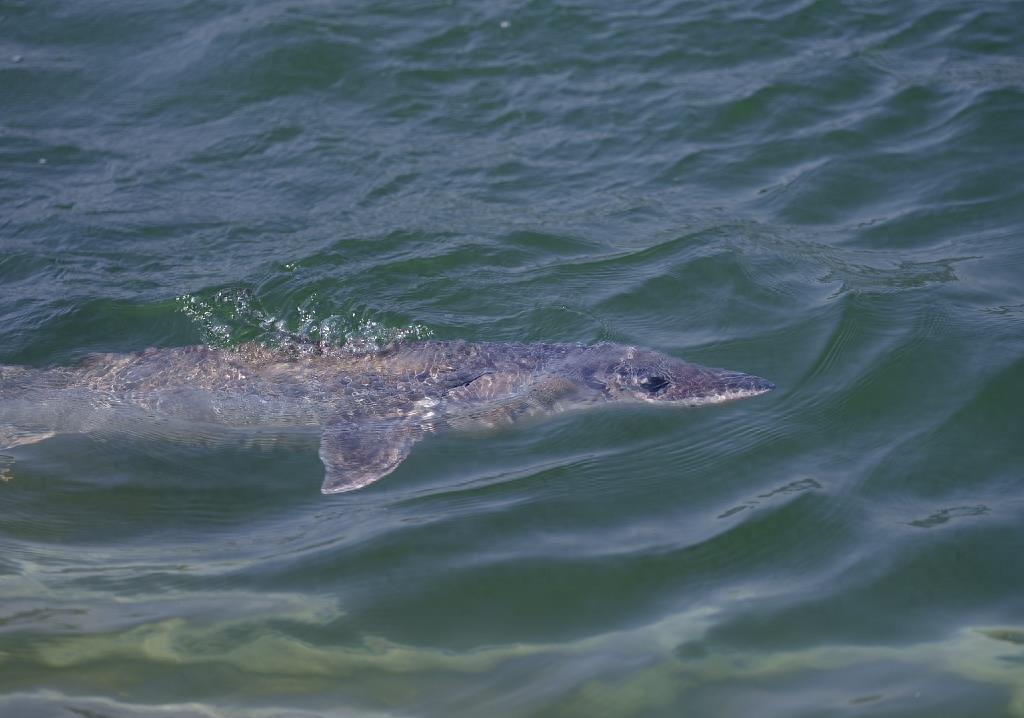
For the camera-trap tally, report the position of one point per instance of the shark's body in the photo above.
(370, 407)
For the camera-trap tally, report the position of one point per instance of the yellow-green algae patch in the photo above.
(250, 645)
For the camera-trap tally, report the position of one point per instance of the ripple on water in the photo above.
(822, 193)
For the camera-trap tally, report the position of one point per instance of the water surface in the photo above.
(828, 194)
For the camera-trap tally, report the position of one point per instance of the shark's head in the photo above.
(630, 374)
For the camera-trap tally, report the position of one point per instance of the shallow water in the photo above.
(828, 194)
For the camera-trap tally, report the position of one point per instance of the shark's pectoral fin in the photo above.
(356, 454)
(12, 436)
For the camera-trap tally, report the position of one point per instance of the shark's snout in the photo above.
(744, 384)
(716, 386)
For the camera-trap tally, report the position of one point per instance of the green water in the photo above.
(829, 194)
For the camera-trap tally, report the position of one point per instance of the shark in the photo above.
(369, 405)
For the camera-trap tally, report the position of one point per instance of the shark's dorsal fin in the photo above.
(357, 453)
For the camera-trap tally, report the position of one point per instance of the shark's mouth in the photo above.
(724, 395)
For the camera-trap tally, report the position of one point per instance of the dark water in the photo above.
(828, 194)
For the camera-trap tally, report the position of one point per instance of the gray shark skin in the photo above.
(370, 407)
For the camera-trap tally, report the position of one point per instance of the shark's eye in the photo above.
(653, 383)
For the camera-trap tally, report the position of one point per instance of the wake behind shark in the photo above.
(370, 407)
